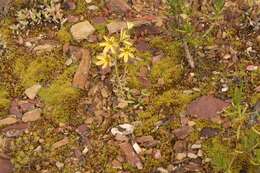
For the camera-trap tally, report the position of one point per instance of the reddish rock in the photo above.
(99, 20)
(147, 141)
(206, 107)
(5, 166)
(15, 130)
(82, 130)
(131, 157)
(180, 146)
(14, 109)
(208, 132)
(26, 105)
(72, 19)
(182, 132)
(142, 45)
(118, 6)
(81, 76)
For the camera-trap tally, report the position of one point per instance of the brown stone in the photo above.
(180, 146)
(81, 76)
(60, 143)
(131, 157)
(15, 130)
(147, 141)
(14, 108)
(118, 6)
(32, 115)
(182, 132)
(5, 166)
(206, 107)
(208, 132)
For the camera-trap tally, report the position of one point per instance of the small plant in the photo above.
(116, 51)
(49, 12)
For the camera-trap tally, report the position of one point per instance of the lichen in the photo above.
(64, 35)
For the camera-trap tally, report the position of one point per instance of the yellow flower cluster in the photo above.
(115, 48)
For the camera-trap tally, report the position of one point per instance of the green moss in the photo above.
(42, 69)
(134, 69)
(64, 35)
(255, 98)
(101, 29)
(172, 98)
(61, 98)
(4, 101)
(166, 70)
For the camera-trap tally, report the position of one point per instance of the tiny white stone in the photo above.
(196, 146)
(192, 156)
(137, 148)
(85, 150)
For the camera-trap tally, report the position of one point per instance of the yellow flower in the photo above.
(125, 38)
(104, 60)
(110, 44)
(126, 53)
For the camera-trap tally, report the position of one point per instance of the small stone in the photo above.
(137, 148)
(15, 130)
(131, 157)
(258, 39)
(5, 166)
(85, 150)
(200, 153)
(68, 62)
(116, 26)
(8, 121)
(157, 154)
(119, 6)
(32, 115)
(116, 164)
(182, 132)
(192, 156)
(180, 156)
(251, 68)
(208, 132)
(59, 165)
(162, 170)
(180, 146)
(82, 30)
(26, 105)
(196, 146)
(191, 123)
(93, 7)
(32, 91)
(123, 129)
(60, 143)
(44, 48)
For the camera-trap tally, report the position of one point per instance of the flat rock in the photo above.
(8, 121)
(32, 91)
(116, 26)
(207, 107)
(14, 109)
(131, 157)
(5, 166)
(60, 143)
(208, 132)
(82, 30)
(147, 141)
(15, 130)
(182, 132)
(26, 105)
(81, 76)
(120, 6)
(180, 156)
(32, 115)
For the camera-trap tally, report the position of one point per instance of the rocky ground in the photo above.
(132, 86)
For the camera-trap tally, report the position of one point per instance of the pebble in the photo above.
(251, 68)
(196, 146)
(123, 129)
(85, 150)
(162, 170)
(59, 165)
(200, 153)
(32, 91)
(180, 156)
(192, 156)
(82, 30)
(137, 148)
(8, 121)
(60, 143)
(32, 115)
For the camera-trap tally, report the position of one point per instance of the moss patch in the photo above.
(61, 98)
(4, 101)
(42, 69)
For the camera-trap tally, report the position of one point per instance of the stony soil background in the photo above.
(189, 100)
